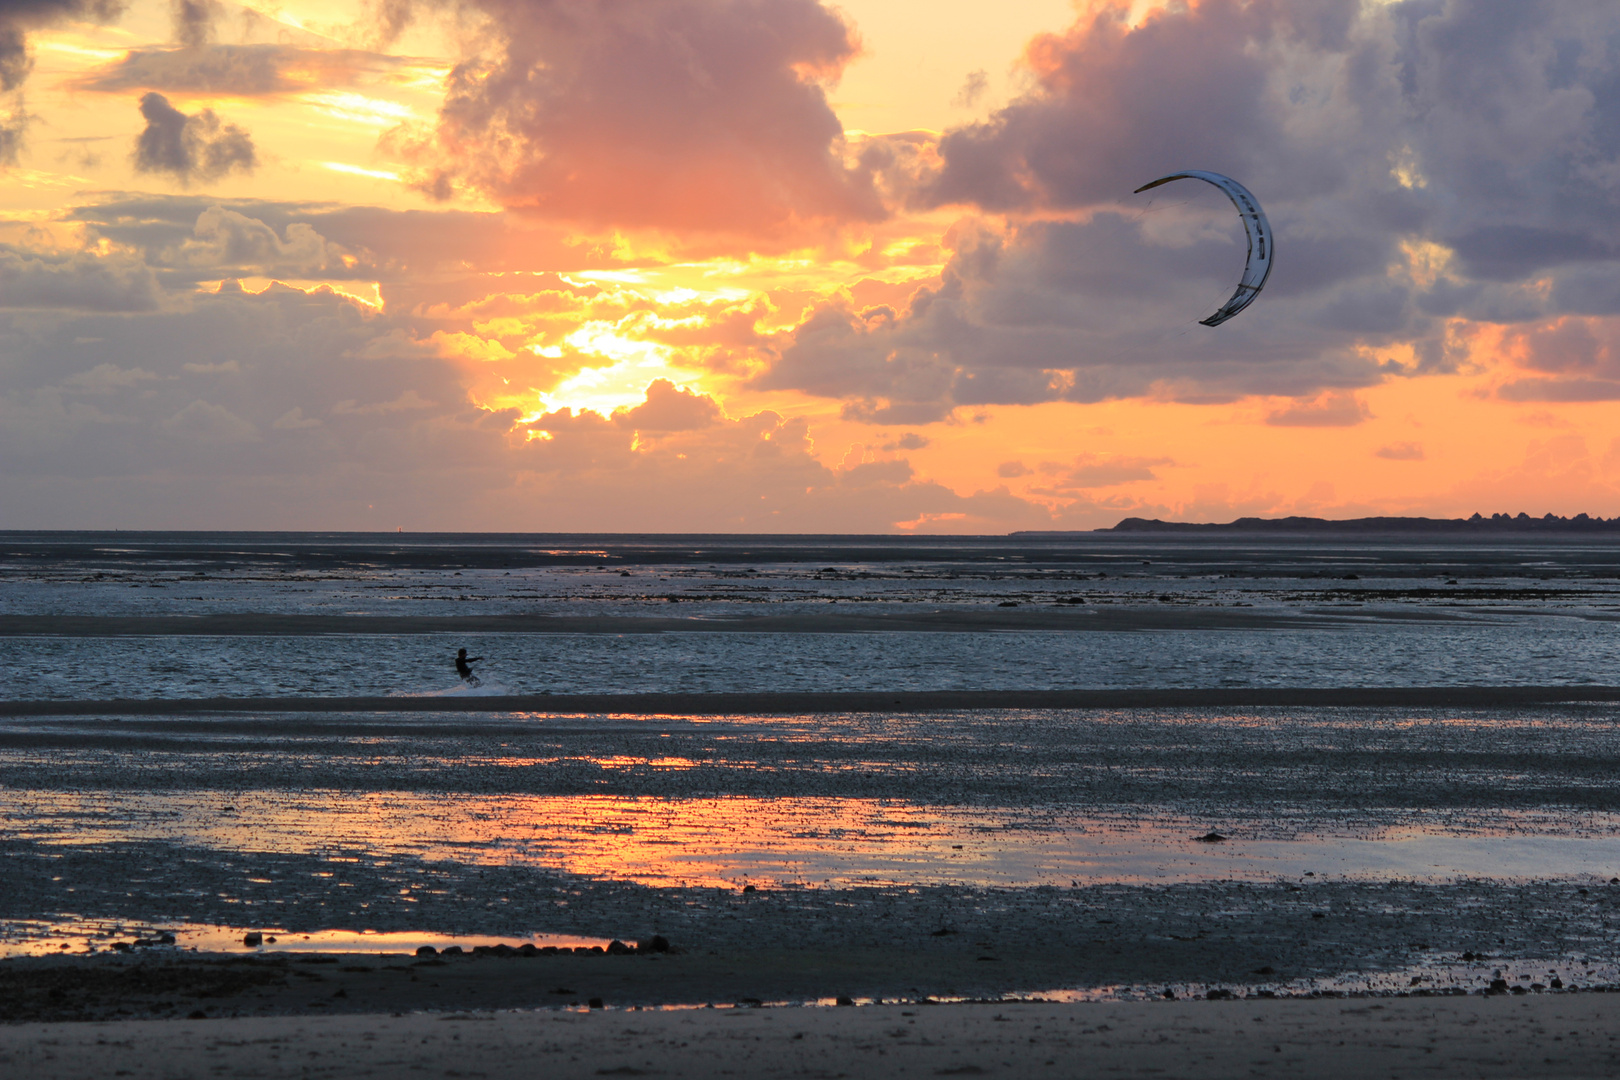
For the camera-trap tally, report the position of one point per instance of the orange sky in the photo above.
(498, 249)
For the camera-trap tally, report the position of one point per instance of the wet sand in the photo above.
(777, 704)
(1568, 1036)
(954, 620)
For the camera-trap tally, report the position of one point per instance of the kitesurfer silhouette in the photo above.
(464, 666)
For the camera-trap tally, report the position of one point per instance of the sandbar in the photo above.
(797, 703)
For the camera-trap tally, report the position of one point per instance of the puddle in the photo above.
(68, 936)
(1438, 977)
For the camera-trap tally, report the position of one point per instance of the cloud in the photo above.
(1405, 451)
(254, 70)
(199, 147)
(407, 401)
(194, 21)
(1420, 163)
(1095, 471)
(206, 423)
(287, 408)
(909, 441)
(225, 238)
(705, 115)
(1560, 390)
(76, 281)
(973, 88)
(669, 408)
(108, 379)
(415, 251)
(17, 19)
(1335, 408)
(1009, 470)
(1059, 310)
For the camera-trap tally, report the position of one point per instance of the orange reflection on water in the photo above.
(727, 841)
(714, 841)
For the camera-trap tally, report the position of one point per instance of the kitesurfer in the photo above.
(464, 666)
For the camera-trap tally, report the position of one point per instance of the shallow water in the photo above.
(1502, 653)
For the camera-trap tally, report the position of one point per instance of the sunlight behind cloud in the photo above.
(355, 170)
(360, 109)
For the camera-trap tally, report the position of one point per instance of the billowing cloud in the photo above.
(199, 147)
(75, 281)
(702, 115)
(669, 408)
(229, 239)
(215, 408)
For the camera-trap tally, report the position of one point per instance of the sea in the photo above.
(122, 820)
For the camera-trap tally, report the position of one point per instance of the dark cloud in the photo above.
(1567, 390)
(238, 70)
(78, 281)
(418, 254)
(199, 147)
(1405, 451)
(1420, 162)
(1116, 106)
(678, 114)
(1078, 311)
(17, 19)
(194, 21)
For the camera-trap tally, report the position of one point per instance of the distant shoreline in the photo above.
(1477, 525)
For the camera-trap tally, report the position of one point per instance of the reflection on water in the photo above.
(67, 934)
(805, 843)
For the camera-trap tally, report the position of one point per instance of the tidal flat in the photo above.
(1073, 770)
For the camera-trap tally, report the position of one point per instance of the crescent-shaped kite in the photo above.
(1258, 266)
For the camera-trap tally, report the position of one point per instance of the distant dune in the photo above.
(1477, 525)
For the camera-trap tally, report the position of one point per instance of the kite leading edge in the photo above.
(1258, 267)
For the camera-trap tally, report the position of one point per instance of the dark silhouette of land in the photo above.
(1477, 525)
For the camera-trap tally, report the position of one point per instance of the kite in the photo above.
(1258, 267)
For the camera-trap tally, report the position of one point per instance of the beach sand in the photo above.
(1564, 1035)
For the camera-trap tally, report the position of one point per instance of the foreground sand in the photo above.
(1565, 1035)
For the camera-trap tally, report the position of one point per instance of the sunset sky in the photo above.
(782, 265)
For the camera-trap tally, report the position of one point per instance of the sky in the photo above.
(792, 266)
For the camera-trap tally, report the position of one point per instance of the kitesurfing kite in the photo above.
(1258, 266)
